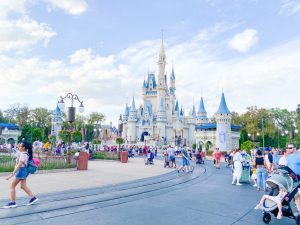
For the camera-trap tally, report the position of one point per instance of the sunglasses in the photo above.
(289, 147)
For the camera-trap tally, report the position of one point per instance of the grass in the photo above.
(7, 163)
(104, 155)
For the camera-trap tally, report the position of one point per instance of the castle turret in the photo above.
(132, 122)
(202, 114)
(223, 122)
(172, 83)
(191, 123)
(56, 122)
(161, 120)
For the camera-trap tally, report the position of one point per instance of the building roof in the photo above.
(176, 106)
(57, 111)
(172, 78)
(223, 109)
(201, 107)
(126, 111)
(194, 111)
(207, 126)
(10, 126)
(132, 108)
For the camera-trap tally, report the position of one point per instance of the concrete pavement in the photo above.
(205, 197)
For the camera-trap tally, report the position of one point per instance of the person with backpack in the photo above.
(24, 165)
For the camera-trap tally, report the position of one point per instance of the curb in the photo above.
(4, 174)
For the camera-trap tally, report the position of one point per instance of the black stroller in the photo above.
(150, 159)
(199, 159)
(287, 179)
(167, 162)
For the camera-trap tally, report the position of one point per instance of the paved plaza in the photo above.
(204, 197)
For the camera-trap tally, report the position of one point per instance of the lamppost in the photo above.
(252, 136)
(71, 114)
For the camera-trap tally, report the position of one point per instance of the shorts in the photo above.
(22, 173)
(172, 158)
(185, 162)
(254, 176)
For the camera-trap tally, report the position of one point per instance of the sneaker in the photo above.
(279, 216)
(254, 185)
(257, 207)
(239, 184)
(10, 205)
(32, 200)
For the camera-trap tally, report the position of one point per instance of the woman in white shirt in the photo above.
(238, 167)
(282, 160)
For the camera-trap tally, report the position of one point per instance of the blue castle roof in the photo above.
(201, 107)
(223, 109)
(176, 106)
(172, 78)
(57, 111)
(194, 111)
(9, 126)
(126, 112)
(132, 108)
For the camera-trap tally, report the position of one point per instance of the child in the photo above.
(254, 177)
(277, 199)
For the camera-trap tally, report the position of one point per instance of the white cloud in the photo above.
(23, 33)
(267, 79)
(9, 6)
(73, 7)
(242, 42)
(290, 7)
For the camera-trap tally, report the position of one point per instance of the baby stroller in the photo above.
(288, 180)
(199, 159)
(167, 162)
(150, 159)
(130, 153)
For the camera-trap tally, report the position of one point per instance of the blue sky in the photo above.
(103, 49)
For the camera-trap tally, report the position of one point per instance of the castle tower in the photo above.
(202, 114)
(132, 122)
(161, 120)
(56, 122)
(223, 120)
(191, 123)
(124, 121)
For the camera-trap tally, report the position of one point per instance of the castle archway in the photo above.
(208, 145)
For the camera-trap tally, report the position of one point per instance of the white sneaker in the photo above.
(233, 183)
(239, 184)
(257, 207)
(254, 185)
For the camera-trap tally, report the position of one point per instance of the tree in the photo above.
(76, 136)
(41, 117)
(119, 141)
(18, 113)
(247, 145)
(64, 135)
(3, 119)
(37, 134)
(96, 118)
(26, 133)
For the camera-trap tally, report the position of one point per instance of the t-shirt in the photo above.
(282, 161)
(22, 157)
(171, 151)
(217, 155)
(293, 161)
(238, 157)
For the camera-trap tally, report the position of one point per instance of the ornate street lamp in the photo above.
(71, 114)
(71, 109)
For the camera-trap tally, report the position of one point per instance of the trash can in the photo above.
(82, 161)
(124, 156)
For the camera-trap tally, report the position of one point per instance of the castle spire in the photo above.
(194, 111)
(201, 107)
(223, 109)
(133, 109)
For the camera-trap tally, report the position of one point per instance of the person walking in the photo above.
(238, 167)
(185, 162)
(217, 158)
(20, 172)
(261, 171)
(293, 161)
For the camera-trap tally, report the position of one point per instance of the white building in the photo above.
(160, 120)
(9, 133)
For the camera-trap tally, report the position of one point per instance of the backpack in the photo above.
(31, 167)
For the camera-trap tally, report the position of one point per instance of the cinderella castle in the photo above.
(161, 121)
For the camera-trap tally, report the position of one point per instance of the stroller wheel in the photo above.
(266, 218)
(298, 219)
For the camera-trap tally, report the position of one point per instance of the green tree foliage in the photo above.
(37, 134)
(18, 113)
(26, 133)
(76, 136)
(64, 135)
(247, 145)
(96, 118)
